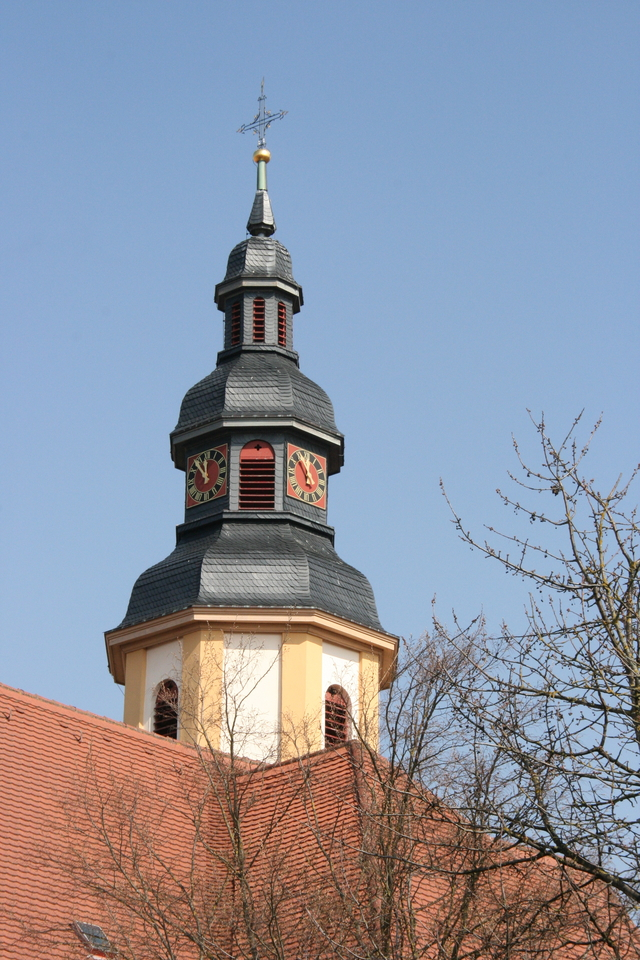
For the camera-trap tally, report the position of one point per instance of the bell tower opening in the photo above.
(337, 710)
(258, 320)
(236, 330)
(257, 476)
(282, 324)
(165, 714)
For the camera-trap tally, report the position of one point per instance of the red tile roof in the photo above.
(136, 833)
(51, 757)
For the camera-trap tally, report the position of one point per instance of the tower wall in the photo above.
(285, 663)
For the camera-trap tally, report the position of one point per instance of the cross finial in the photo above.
(262, 120)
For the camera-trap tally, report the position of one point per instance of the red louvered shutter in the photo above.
(282, 325)
(257, 476)
(258, 320)
(235, 323)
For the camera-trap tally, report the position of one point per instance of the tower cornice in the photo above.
(251, 516)
(326, 626)
(227, 288)
(180, 438)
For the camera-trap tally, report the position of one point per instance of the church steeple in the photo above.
(259, 295)
(254, 561)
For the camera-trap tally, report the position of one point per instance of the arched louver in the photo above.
(258, 320)
(235, 323)
(336, 716)
(257, 476)
(165, 715)
(282, 324)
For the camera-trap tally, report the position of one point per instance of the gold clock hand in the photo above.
(203, 470)
(309, 475)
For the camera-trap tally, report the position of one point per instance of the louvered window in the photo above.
(165, 715)
(336, 716)
(235, 323)
(282, 325)
(257, 476)
(258, 320)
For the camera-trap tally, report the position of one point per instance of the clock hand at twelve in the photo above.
(309, 475)
(204, 470)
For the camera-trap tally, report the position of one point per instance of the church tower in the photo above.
(253, 636)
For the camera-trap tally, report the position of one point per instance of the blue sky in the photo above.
(457, 183)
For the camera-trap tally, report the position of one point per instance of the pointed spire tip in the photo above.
(261, 222)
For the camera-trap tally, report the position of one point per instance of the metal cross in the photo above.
(263, 119)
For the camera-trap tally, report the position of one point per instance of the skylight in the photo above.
(95, 938)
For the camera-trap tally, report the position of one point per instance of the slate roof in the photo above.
(261, 384)
(254, 564)
(261, 220)
(259, 257)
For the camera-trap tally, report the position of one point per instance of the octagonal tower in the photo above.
(253, 636)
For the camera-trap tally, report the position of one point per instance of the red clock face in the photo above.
(306, 476)
(207, 476)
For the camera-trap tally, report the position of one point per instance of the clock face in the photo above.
(207, 476)
(306, 476)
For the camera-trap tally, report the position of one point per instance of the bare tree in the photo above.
(448, 883)
(556, 708)
(343, 853)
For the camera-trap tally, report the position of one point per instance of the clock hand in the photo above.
(203, 470)
(309, 475)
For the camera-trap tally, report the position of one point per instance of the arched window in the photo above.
(336, 716)
(258, 320)
(282, 324)
(257, 476)
(235, 323)
(165, 715)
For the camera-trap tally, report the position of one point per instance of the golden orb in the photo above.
(262, 154)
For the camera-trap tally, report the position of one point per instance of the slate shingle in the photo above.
(254, 565)
(261, 220)
(255, 385)
(260, 257)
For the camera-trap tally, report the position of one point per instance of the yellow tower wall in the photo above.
(134, 687)
(201, 634)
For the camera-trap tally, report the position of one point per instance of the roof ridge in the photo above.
(96, 719)
(344, 750)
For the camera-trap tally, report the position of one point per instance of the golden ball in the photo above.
(262, 154)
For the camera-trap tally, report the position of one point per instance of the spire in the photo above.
(261, 222)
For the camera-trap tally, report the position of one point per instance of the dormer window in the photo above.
(235, 323)
(257, 476)
(258, 320)
(336, 716)
(282, 324)
(165, 714)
